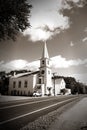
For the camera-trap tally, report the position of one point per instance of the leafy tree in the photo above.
(86, 89)
(14, 17)
(4, 83)
(72, 84)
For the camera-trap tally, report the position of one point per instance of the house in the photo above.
(38, 81)
(60, 87)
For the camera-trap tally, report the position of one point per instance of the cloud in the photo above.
(1, 63)
(15, 64)
(60, 62)
(18, 65)
(56, 62)
(71, 44)
(46, 15)
(49, 14)
(85, 29)
(84, 39)
(38, 34)
(69, 4)
(33, 65)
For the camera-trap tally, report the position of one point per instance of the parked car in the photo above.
(37, 94)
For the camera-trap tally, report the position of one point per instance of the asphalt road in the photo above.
(16, 114)
(74, 118)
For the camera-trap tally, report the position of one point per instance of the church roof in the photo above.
(45, 51)
(25, 74)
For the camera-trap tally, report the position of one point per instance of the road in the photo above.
(16, 114)
(74, 118)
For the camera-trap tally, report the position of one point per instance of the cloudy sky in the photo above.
(63, 25)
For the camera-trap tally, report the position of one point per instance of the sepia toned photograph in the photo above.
(43, 64)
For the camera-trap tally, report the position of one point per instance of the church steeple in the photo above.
(45, 70)
(45, 52)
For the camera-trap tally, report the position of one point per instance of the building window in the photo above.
(25, 84)
(14, 84)
(19, 84)
(48, 72)
(18, 93)
(39, 81)
(11, 92)
(29, 93)
(42, 61)
(48, 62)
(24, 93)
(42, 72)
(21, 93)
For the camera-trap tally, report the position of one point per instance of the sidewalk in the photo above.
(12, 98)
(74, 118)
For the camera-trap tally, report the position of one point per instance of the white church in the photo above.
(38, 81)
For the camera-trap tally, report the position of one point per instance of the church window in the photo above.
(19, 84)
(25, 84)
(48, 62)
(14, 84)
(18, 93)
(48, 72)
(39, 81)
(24, 93)
(11, 92)
(42, 61)
(42, 72)
(21, 93)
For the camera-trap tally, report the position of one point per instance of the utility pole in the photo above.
(54, 82)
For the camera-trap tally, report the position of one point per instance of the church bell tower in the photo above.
(45, 71)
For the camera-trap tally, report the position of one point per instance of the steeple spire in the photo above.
(45, 51)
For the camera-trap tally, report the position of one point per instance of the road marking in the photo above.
(22, 104)
(27, 114)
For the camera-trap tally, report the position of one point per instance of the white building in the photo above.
(22, 84)
(41, 81)
(60, 87)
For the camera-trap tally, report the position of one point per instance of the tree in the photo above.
(4, 83)
(71, 84)
(14, 17)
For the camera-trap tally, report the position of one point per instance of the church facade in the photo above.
(39, 81)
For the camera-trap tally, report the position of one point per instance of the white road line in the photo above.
(3, 122)
(22, 104)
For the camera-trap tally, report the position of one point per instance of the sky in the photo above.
(62, 24)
